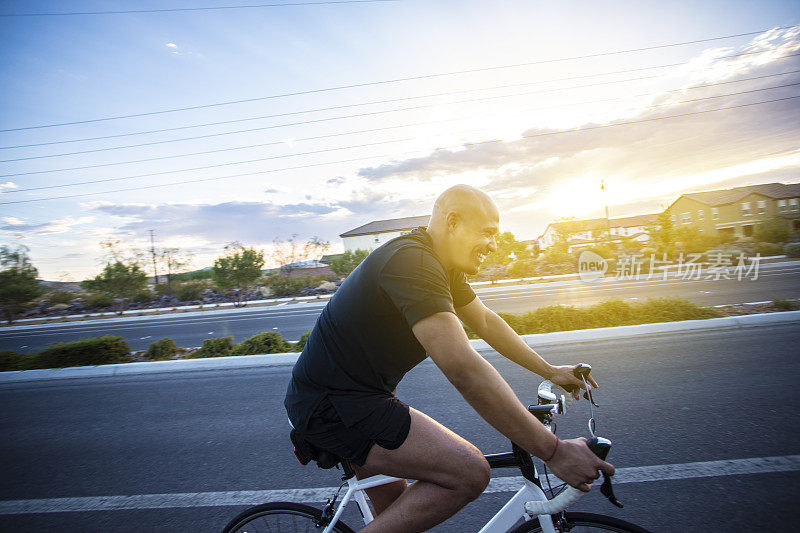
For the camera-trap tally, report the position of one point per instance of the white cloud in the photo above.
(8, 185)
(16, 226)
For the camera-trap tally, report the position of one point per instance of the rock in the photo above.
(327, 286)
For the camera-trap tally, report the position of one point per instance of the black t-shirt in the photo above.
(362, 344)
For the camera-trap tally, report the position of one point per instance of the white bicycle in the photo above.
(530, 503)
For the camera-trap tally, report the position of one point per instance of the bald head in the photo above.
(463, 226)
(466, 202)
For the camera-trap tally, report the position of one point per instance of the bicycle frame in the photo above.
(501, 522)
(515, 509)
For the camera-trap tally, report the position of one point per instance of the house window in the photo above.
(793, 204)
(782, 206)
(715, 213)
(746, 209)
(686, 218)
(673, 218)
(700, 215)
(762, 207)
(377, 239)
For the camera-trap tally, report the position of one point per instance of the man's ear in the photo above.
(453, 220)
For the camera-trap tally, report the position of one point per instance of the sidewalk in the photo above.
(288, 359)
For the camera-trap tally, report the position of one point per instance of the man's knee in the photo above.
(475, 477)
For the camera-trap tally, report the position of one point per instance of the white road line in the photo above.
(637, 474)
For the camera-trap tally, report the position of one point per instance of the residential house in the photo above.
(584, 233)
(734, 213)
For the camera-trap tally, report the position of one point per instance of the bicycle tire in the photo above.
(270, 515)
(580, 522)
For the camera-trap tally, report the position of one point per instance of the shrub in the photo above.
(143, 296)
(767, 249)
(162, 349)
(266, 342)
(300, 344)
(522, 268)
(162, 289)
(792, 249)
(190, 290)
(61, 297)
(774, 231)
(97, 351)
(10, 360)
(611, 312)
(291, 286)
(786, 305)
(671, 309)
(99, 299)
(219, 347)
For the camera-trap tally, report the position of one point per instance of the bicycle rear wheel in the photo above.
(585, 523)
(281, 517)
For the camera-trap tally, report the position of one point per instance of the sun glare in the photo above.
(578, 197)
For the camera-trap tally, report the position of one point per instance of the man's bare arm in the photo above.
(443, 337)
(500, 336)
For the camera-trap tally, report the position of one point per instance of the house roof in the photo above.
(329, 257)
(600, 223)
(392, 224)
(729, 196)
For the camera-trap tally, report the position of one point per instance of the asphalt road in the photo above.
(293, 319)
(664, 400)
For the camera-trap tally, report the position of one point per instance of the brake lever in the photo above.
(607, 491)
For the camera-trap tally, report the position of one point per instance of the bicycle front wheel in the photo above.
(280, 517)
(584, 523)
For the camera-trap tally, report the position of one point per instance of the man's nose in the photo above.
(493, 245)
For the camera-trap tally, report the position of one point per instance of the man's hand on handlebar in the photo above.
(575, 464)
(565, 378)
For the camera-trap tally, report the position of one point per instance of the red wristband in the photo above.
(554, 451)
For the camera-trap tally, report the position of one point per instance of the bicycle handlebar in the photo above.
(546, 390)
(565, 498)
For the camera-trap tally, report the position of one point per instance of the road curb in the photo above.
(288, 359)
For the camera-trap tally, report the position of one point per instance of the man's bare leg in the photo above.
(450, 472)
(381, 496)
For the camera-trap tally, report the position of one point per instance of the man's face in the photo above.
(471, 239)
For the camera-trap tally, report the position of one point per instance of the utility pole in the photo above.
(153, 250)
(605, 199)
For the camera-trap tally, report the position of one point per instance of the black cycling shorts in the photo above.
(386, 425)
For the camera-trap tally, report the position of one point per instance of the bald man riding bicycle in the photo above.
(404, 302)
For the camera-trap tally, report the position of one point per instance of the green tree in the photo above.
(238, 270)
(118, 280)
(347, 262)
(18, 285)
(508, 249)
(662, 233)
(691, 240)
(775, 230)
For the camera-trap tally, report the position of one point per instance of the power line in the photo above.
(546, 134)
(389, 100)
(395, 80)
(371, 130)
(209, 8)
(312, 121)
(217, 165)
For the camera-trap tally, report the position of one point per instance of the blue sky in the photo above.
(64, 69)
